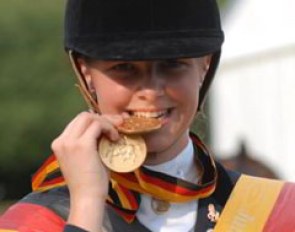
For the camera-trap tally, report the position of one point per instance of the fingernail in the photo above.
(115, 136)
(125, 115)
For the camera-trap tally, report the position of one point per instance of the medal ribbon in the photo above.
(125, 188)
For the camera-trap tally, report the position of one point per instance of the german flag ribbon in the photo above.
(125, 188)
(259, 205)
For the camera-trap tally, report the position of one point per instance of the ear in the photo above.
(207, 62)
(206, 65)
(86, 74)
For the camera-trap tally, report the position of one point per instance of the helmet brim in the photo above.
(163, 46)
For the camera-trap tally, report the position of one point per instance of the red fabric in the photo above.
(282, 217)
(27, 217)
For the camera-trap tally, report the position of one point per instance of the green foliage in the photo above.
(37, 93)
(222, 3)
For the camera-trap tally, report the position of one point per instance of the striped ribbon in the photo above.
(125, 188)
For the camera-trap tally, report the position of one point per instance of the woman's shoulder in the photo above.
(226, 181)
(38, 210)
(56, 199)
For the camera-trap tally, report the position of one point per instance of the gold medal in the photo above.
(129, 152)
(139, 125)
(124, 155)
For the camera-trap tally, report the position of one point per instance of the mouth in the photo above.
(159, 114)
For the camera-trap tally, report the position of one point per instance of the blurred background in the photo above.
(252, 99)
(37, 93)
(249, 117)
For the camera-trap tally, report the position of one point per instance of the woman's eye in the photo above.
(173, 65)
(125, 71)
(123, 67)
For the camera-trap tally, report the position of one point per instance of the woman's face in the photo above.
(165, 89)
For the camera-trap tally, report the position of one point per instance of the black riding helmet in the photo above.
(144, 30)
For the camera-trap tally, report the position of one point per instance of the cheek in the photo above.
(186, 91)
(112, 98)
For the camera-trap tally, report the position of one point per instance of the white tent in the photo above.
(253, 96)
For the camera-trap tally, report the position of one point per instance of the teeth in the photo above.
(150, 114)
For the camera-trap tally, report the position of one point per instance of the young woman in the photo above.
(150, 59)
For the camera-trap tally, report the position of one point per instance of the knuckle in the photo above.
(69, 145)
(98, 121)
(55, 145)
(104, 121)
(103, 125)
(85, 115)
(60, 145)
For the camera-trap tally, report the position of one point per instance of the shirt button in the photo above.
(179, 173)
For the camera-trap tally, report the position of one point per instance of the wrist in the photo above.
(88, 194)
(87, 212)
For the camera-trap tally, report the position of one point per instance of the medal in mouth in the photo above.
(141, 122)
(139, 125)
(129, 152)
(157, 114)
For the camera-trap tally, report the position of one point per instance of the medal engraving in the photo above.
(129, 152)
(125, 155)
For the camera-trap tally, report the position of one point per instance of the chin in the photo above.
(155, 145)
(166, 142)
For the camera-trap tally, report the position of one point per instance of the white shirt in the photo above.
(181, 217)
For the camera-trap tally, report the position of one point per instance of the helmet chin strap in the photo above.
(82, 86)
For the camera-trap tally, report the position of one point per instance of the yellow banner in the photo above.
(249, 205)
(1, 230)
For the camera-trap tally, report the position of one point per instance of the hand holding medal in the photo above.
(129, 152)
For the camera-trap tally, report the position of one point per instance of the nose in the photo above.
(153, 84)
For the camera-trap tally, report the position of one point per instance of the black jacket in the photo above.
(57, 201)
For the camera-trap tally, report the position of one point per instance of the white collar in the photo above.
(181, 166)
(180, 216)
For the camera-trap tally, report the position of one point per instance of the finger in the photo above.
(125, 115)
(78, 125)
(97, 128)
(114, 119)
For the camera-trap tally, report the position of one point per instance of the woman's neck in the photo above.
(155, 158)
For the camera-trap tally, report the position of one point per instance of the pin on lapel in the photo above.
(213, 215)
(160, 206)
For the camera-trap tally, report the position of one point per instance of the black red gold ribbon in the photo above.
(125, 188)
